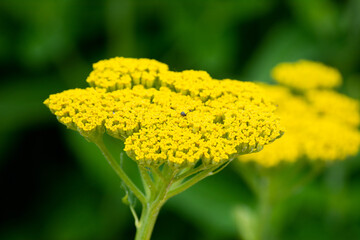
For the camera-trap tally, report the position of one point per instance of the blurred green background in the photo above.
(55, 185)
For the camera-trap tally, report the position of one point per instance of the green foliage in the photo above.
(49, 46)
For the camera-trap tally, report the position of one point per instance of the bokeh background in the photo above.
(55, 185)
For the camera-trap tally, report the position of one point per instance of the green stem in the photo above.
(261, 186)
(147, 181)
(157, 174)
(148, 218)
(205, 173)
(151, 209)
(120, 172)
(265, 211)
(189, 173)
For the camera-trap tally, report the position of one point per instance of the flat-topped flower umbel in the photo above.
(223, 118)
(321, 124)
(178, 126)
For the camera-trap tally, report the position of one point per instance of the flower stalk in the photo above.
(272, 188)
(157, 198)
(119, 171)
(146, 225)
(159, 184)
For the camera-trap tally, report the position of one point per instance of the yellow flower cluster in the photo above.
(120, 72)
(319, 124)
(174, 117)
(305, 75)
(78, 109)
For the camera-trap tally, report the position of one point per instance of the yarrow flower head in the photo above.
(305, 75)
(321, 125)
(169, 117)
